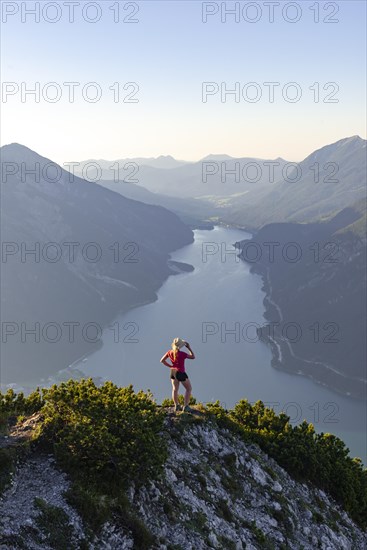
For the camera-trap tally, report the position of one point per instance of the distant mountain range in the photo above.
(45, 205)
(213, 177)
(164, 162)
(248, 192)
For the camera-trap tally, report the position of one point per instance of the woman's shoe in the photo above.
(188, 409)
(178, 408)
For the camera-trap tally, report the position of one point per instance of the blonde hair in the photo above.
(175, 350)
(176, 345)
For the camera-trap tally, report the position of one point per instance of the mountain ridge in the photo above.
(209, 479)
(46, 207)
(327, 180)
(327, 286)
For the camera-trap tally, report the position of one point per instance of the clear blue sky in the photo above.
(169, 53)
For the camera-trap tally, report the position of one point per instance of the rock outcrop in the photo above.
(216, 492)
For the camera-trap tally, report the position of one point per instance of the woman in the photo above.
(178, 373)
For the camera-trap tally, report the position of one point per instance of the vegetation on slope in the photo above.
(106, 437)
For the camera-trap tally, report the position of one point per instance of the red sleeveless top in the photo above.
(179, 364)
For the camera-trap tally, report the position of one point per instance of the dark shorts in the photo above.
(180, 376)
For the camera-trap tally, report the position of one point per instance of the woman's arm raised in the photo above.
(192, 354)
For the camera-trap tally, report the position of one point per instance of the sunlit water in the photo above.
(220, 291)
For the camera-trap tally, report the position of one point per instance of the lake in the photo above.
(216, 308)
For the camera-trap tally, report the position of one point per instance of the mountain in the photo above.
(357, 226)
(86, 169)
(193, 212)
(96, 253)
(326, 181)
(103, 467)
(217, 157)
(213, 179)
(315, 281)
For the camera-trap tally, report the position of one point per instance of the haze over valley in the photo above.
(183, 360)
(39, 209)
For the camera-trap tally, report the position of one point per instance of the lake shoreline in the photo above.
(282, 359)
(176, 268)
(282, 353)
(228, 368)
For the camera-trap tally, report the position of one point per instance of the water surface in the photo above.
(203, 307)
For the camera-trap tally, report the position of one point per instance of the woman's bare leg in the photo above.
(188, 389)
(175, 386)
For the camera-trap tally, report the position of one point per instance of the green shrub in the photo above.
(93, 506)
(14, 407)
(7, 460)
(13, 404)
(54, 524)
(322, 459)
(9, 457)
(224, 511)
(105, 437)
(106, 433)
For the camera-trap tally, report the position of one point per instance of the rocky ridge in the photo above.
(216, 492)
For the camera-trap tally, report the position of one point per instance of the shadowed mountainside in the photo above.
(326, 181)
(315, 280)
(95, 253)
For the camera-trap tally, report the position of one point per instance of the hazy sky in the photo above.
(169, 52)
